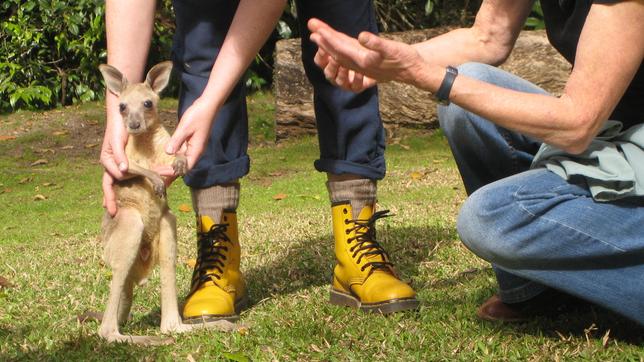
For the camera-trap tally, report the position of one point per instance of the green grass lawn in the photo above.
(50, 252)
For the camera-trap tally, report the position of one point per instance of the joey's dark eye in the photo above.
(147, 104)
(122, 107)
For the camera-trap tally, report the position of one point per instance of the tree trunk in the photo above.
(402, 105)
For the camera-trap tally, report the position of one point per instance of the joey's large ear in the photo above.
(114, 80)
(159, 76)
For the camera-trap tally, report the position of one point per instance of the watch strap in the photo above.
(442, 95)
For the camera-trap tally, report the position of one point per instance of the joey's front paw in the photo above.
(180, 165)
(159, 188)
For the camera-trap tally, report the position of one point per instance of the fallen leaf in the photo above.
(25, 180)
(88, 316)
(315, 197)
(404, 147)
(39, 162)
(5, 283)
(7, 138)
(48, 184)
(91, 145)
(243, 330)
(40, 197)
(45, 150)
(59, 133)
(68, 147)
(416, 175)
(190, 358)
(279, 196)
(276, 174)
(191, 263)
(7, 190)
(92, 123)
(185, 208)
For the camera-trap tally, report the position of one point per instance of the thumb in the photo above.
(176, 141)
(316, 24)
(372, 41)
(118, 151)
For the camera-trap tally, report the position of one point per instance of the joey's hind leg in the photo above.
(126, 301)
(170, 318)
(122, 250)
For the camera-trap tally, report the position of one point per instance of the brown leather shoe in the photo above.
(495, 310)
(549, 303)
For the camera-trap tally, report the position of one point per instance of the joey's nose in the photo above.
(135, 125)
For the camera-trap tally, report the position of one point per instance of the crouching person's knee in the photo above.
(481, 224)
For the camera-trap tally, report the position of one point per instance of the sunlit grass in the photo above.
(50, 251)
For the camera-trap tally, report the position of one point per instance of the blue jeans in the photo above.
(537, 229)
(351, 135)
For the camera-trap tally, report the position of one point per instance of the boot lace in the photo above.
(210, 257)
(366, 243)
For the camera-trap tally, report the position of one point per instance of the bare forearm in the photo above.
(456, 47)
(129, 25)
(490, 40)
(253, 23)
(606, 62)
(555, 120)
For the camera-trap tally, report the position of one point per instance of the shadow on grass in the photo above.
(309, 263)
(89, 348)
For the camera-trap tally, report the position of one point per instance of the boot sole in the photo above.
(205, 318)
(386, 307)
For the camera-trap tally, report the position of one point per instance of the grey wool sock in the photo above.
(211, 201)
(359, 192)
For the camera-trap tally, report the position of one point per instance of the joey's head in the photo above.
(138, 101)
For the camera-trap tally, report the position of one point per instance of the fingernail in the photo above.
(122, 166)
(169, 149)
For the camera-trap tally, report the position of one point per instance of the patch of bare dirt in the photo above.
(69, 132)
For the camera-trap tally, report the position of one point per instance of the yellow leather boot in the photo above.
(218, 290)
(363, 276)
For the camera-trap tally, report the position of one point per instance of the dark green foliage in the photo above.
(50, 51)
(535, 20)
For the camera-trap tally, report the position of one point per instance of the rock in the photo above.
(533, 59)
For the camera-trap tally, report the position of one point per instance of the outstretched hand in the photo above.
(356, 64)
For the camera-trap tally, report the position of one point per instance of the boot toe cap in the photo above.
(209, 301)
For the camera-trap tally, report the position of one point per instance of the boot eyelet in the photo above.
(344, 211)
(347, 232)
(346, 221)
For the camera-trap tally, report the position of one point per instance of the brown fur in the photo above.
(142, 234)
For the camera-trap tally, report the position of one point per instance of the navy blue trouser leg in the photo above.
(201, 29)
(350, 132)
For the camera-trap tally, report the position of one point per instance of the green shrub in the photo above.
(50, 51)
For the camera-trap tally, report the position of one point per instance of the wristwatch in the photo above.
(442, 95)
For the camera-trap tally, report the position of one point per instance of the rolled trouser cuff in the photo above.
(375, 170)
